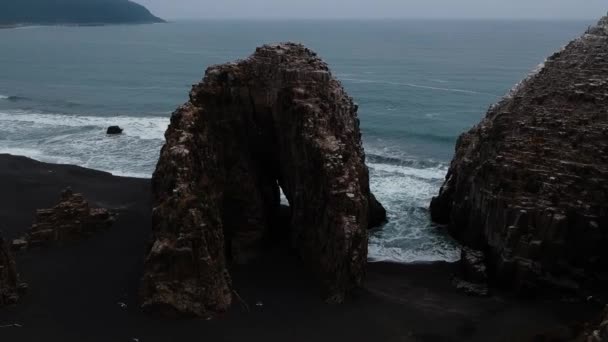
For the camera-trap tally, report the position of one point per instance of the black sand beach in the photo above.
(77, 291)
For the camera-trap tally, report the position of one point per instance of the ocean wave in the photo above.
(141, 127)
(81, 140)
(423, 252)
(27, 27)
(413, 85)
(425, 174)
(433, 137)
(17, 98)
(40, 155)
(402, 160)
(13, 98)
(437, 80)
(405, 186)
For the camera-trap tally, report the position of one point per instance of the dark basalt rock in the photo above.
(71, 219)
(473, 277)
(277, 118)
(377, 213)
(596, 331)
(114, 130)
(529, 184)
(9, 279)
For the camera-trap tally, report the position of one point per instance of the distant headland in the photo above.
(74, 12)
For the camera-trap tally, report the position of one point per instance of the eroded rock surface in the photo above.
(9, 279)
(277, 118)
(71, 219)
(529, 184)
(473, 277)
(596, 331)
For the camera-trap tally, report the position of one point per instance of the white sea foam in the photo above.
(433, 173)
(406, 192)
(429, 252)
(27, 27)
(81, 140)
(39, 155)
(3, 97)
(18, 151)
(140, 127)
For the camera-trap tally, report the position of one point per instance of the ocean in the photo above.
(419, 84)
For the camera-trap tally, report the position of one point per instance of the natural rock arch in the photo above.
(275, 118)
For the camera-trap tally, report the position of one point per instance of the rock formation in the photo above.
(9, 279)
(71, 219)
(596, 331)
(529, 184)
(114, 130)
(277, 118)
(473, 277)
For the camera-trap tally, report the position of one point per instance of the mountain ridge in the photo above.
(74, 12)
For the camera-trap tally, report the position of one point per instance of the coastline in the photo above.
(28, 25)
(75, 290)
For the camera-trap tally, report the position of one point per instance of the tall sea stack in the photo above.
(529, 184)
(275, 119)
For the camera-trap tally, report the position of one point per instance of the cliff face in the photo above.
(9, 279)
(529, 184)
(277, 118)
(74, 12)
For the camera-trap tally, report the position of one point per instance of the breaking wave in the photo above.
(140, 127)
(405, 186)
(81, 140)
(413, 85)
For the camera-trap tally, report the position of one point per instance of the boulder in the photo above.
(114, 130)
(529, 184)
(473, 266)
(473, 277)
(276, 119)
(377, 213)
(71, 219)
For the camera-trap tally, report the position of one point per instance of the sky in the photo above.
(361, 9)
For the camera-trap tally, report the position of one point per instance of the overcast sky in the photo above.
(260, 9)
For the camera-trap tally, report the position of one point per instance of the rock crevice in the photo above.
(275, 119)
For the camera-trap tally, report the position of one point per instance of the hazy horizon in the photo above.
(380, 9)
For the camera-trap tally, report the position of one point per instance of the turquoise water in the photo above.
(418, 83)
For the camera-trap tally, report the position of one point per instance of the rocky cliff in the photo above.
(275, 119)
(9, 280)
(529, 184)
